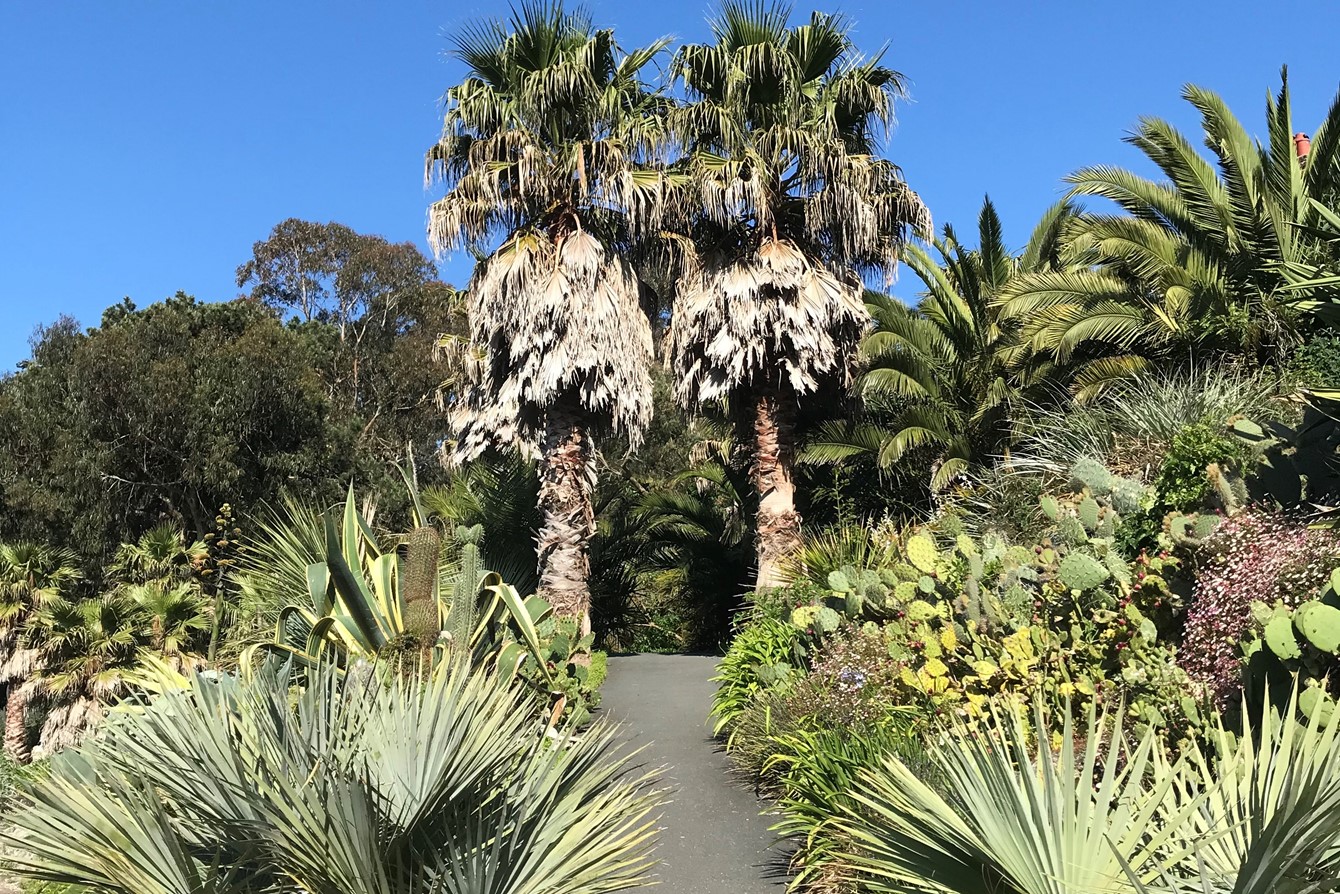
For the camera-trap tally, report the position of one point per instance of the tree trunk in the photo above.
(16, 730)
(774, 458)
(567, 481)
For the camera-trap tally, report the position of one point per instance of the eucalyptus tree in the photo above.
(944, 375)
(1195, 263)
(543, 157)
(32, 575)
(789, 206)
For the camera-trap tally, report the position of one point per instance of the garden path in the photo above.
(713, 839)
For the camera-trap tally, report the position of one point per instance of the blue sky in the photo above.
(146, 145)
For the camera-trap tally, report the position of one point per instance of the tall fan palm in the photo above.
(947, 372)
(543, 148)
(31, 576)
(789, 206)
(1196, 263)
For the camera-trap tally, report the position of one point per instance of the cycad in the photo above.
(1197, 262)
(542, 151)
(945, 376)
(787, 205)
(358, 787)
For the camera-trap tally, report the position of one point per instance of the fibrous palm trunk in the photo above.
(566, 486)
(16, 724)
(774, 459)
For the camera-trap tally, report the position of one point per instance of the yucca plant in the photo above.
(1029, 808)
(1267, 815)
(356, 786)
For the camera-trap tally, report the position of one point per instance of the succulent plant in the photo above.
(1319, 624)
(922, 552)
(1082, 572)
(1050, 507)
(1089, 513)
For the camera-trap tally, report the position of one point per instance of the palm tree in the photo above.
(31, 576)
(944, 375)
(788, 206)
(160, 553)
(86, 655)
(542, 151)
(1197, 263)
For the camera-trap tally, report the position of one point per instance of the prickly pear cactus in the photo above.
(1279, 638)
(1088, 511)
(1050, 507)
(1071, 530)
(922, 552)
(1319, 624)
(1081, 572)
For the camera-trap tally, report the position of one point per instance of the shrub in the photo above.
(415, 786)
(1182, 483)
(1253, 556)
(761, 658)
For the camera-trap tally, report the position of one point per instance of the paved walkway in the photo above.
(713, 840)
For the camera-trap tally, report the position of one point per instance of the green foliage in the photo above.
(1032, 806)
(1184, 482)
(1300, 646)
(341, 786)
(760, 658)
(816, 770)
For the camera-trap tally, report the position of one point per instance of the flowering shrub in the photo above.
(1253, 556)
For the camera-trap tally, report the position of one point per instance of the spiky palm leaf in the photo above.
(160, 553)
(1197, 262)
(359, 788)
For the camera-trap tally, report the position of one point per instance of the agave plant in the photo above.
(363, 602)
(228, 785)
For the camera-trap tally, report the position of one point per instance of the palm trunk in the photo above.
(16, 724)
(566, 485)
(774, 458)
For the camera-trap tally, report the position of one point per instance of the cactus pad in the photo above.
(1071, 530)
(905, 591)
(1319, 624)
(926, 584)
(1081, 572)
(1280, 638)
(922, 553)
(839, 582)
(1089, 511)
(1050, 507)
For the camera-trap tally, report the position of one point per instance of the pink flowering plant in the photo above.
(1253, 556)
